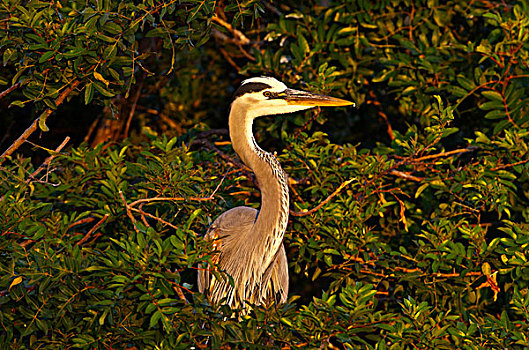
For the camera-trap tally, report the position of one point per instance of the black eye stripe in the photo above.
(249, 88)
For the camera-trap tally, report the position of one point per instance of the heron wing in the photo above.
(226, 234)
(228, 229)
(275, 279)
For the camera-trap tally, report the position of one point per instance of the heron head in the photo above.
(267, 96)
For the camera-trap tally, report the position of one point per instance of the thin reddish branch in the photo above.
(80, 222)
(133, 109)
(444, 154)
(381, 113)
(325, 201)
(31, 129)
(406, 175)
(143, 213)
(160, 199)
(49, 159)
(129, 212)
(229, 59)
(130, 207)
(510, 165)
(21, 139)
(8, 90)
(240, 38)
(93, 229)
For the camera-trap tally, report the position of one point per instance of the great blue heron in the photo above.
(249, 241)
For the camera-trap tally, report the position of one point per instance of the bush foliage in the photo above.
(422, 234)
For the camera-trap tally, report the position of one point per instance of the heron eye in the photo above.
(267, 93)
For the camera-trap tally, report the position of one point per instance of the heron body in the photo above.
(249, 242)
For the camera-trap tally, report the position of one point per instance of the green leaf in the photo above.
(102, 90)
(17, 103)
(42, 121)
(46, 56)
(303, 44)
(465, 82)
(155, 318)
(88, 93)
(492, 95)
(495, 114)
(75, 52)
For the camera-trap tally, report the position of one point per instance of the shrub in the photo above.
(409, 214)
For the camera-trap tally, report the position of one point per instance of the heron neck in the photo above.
(269, 228)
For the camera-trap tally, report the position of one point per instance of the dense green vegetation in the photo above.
(422, 240)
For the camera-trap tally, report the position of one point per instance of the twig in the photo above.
(80, 222)
(48, 160)
(96, 236)
(27, 133)
(143, 216)
(18, 142)
(445, 154)
(92, 230)
(91, 129)
(239, 36)
(153, 217)
(315, 114)
(202, 141)
(129, 212)
(437, 274)
(223, 155)
(406, 175)
(130, 207)
(181, 295)
(8, 90)
(227, 56)
(293, 190)
(175, 126)
(171, 199)
(272, 8)
(381, 113)
(325, 201)
(133, 109)
(61, 98)
(246, 54)
(505, 166)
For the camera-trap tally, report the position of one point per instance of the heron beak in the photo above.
(303, 98)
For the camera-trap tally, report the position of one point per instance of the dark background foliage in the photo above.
(409, 214)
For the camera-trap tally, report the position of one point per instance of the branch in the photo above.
(92, 230)
(49, 159)
(505, 166)
(409, 160)
(31, 129)
(130, 207)
(153, 217)
(129, 213)
(239, 37)
(445, 154)
(80, 222)
(133, 109)
(406, 175)
(437, 274)
(172, 199)
(211, 147)
(18, 142)
(381, 113)
(308, 212)
(8, 90)
(227, 56)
